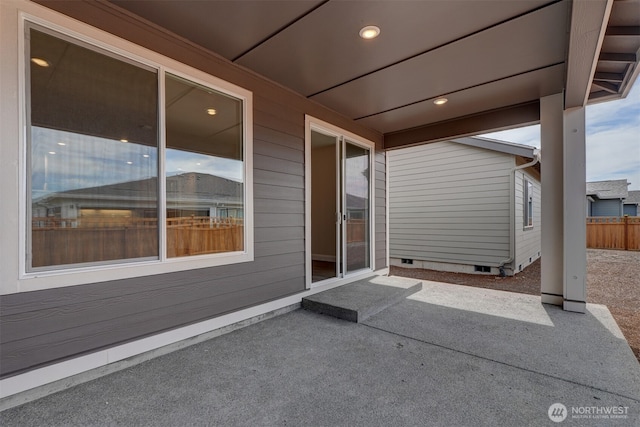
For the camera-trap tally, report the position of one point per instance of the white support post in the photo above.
(574, 206)
(551, 136)
(564, 254)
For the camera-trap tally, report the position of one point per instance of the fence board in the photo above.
(621, 233)
(58, 242)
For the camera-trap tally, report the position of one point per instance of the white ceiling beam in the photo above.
(588, 27)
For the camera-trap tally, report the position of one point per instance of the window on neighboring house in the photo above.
(528, 203)
(95, 152)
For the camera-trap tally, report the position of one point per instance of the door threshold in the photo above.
(343, 280)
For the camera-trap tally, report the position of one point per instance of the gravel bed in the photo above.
(613, 279)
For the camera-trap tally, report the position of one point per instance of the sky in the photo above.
(63, 161)
(613, 139)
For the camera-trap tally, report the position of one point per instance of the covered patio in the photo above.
(437, 70)
(280, 73)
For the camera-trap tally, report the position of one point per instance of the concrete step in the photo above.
(360, 300)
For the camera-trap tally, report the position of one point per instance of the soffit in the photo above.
(617, 66)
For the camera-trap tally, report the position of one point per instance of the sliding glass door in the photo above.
(340, 206)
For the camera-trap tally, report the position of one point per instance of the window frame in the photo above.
(527, 203)
(102, 42)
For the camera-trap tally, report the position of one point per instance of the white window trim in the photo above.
(311, 123)
(526, 181)
(21, 280)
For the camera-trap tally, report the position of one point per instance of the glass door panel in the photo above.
(325, 244)
(356, 215)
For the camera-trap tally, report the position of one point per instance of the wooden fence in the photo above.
(356, 230)
(613, 233)
(58, 242)
(203, 235)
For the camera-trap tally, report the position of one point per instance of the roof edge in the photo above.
(500, 146)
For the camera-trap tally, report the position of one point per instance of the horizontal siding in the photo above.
(63, 343)
(606, 208)
(449, 203)
(528, 240)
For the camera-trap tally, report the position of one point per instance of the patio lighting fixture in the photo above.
(370, 32)
(40, 62)
(440, 101)
(211, 111)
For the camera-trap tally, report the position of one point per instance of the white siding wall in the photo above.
(449, 203)
(527, 239)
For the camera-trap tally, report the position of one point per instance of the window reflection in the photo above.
(93, 197)
(204, 170)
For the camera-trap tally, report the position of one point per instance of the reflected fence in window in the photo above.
(60, 241)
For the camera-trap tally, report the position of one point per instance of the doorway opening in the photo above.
(340, 205)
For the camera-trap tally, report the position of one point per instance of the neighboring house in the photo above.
(632, 203)
(188, 194)
(465, 205)
(606, 198)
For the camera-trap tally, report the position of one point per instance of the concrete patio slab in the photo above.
(305, 369)
(516, 329)
(362, 299)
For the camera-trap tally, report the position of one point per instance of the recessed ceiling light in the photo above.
(145, 155)
(440, 101)
(197, 164)
(129, 163)
(124, 140)
(62, 144)
(211, 111)
(370, 32)
(40, 62)
(52, 152)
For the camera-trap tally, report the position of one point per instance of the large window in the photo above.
(97, 143)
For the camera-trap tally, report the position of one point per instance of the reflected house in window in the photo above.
(195, 202)
(212, 197)
(357, 207)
